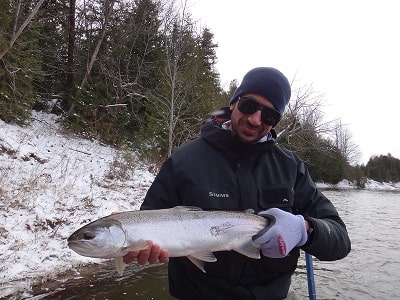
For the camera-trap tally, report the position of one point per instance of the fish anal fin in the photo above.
(198, 259)
(197, 262)
(204, 256)
(249, 249)
(120, 265)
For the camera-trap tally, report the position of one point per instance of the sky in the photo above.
(51, 184)
(347, 50)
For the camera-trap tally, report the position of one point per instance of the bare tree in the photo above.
(303, 119)
(343, 142)
(172, 101)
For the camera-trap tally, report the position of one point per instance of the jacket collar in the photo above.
(215, 132)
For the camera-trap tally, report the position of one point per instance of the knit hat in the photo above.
(267, 82)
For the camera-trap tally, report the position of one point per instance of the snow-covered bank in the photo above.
(369, 185)
(50, 185)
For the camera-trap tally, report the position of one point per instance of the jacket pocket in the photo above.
(282, 198)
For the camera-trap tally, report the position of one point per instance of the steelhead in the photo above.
(183, 231)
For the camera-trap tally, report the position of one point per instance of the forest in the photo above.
(141, 75)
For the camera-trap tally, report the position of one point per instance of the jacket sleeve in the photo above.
(328, 239)
(162, 193)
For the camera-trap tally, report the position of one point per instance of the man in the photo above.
(237, 156)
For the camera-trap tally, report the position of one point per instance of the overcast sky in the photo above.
(348, 50)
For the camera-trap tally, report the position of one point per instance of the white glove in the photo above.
(284, 233)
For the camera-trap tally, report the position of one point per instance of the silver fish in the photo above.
(183, 231)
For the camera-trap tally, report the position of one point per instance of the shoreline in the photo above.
(370, 185)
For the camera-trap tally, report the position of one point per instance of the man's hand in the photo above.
(286, 232)
(151, 255)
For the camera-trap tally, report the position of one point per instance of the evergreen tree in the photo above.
(20, 65)
(384, 168)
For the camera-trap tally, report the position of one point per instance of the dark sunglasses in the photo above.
(248, 106)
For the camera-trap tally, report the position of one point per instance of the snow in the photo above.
(52, 183)
(369, 185)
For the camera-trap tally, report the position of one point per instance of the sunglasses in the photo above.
(248, 106)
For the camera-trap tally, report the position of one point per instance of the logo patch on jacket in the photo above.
(218, 195)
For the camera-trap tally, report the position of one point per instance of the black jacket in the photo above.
(217, 171)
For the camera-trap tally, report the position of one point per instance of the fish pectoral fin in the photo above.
(135, 246)
(249, 249)
(198, 259)
(120, 265)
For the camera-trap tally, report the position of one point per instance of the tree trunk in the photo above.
(71, 47)
(107, 15)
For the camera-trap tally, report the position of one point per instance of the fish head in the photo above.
(103, 238)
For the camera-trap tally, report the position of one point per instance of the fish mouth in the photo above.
(77, 246)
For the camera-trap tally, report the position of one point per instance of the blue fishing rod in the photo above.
(310, 277)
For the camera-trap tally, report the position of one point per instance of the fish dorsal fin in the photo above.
(187, 208)
(198, 259)
(120, 265)
(249, 249)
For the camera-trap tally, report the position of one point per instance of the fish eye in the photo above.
(88, 235)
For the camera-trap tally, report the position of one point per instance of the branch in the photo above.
(21, 28)
(107, 16)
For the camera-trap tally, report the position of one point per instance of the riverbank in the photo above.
(369, 185)
(51, 184)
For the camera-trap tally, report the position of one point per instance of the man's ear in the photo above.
(232, 105)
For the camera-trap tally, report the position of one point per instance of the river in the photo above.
(370, 271)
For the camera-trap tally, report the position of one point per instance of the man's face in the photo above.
(249, 128)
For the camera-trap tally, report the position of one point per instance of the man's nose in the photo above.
(255, 119)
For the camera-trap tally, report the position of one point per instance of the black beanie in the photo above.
(267, 82)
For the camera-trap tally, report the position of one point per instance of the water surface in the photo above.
(369, 272)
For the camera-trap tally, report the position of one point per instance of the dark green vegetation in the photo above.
(141, 74)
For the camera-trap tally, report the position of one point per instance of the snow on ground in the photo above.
(369, 185)
(52, 183)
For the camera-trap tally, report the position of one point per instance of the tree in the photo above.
(52, 27)
(384, 168)
(69, 81)
(107, 10)
(303, 121)
(343, 141)
(19, 61)
(178, 104)
(17, 32)
(304, 131)
(142, 69)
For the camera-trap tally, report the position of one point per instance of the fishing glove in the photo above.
(285, 232)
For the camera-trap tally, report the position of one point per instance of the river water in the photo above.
(370, 271)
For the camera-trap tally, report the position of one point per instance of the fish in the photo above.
(184, 231)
